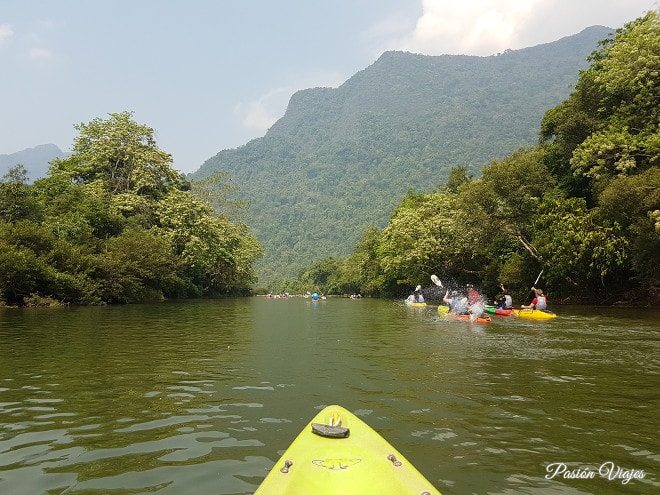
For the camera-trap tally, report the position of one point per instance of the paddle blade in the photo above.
(436, 280)
(442, 310)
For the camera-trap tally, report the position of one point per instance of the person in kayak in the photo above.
(473, 294)
(416, 296)
(457, 304)
(504, 300)
(539, 302)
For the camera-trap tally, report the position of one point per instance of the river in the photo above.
(202, 397)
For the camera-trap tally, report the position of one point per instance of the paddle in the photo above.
(538, 278)
(534, 293)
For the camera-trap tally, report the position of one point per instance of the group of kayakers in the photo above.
(461, 303)
(504, 300)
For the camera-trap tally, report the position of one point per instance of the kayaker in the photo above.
(473, 294)
(504, 300)
(539, 302)
(457, 304)
(416, 296)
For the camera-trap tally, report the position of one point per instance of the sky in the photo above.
(209, 75)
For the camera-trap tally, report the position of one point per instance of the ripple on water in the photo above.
(202, 397)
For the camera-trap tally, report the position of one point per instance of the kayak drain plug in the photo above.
(394, 460)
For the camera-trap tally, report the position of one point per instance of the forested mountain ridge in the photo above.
(340, 159)
(581, 208)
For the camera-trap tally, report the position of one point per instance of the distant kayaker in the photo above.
(504, 300)
(539, 302)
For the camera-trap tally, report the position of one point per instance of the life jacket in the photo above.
(473, 296)
(508, 302)
(458, 306)
(541, 303)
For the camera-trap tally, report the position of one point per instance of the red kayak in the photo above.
(499, 311)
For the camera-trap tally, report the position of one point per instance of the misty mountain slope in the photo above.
(35, 160)
(341, 159)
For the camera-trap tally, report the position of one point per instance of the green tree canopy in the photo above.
(118, 155)
(114, 223)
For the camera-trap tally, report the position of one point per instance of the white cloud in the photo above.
(6, 32)
(474, 27)
(485, 27)
(27, 46)
(263, 112)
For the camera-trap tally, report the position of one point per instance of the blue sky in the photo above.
(208, 75)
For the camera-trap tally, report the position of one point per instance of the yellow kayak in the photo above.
(337, 453)
(536, 314)
(416, 304)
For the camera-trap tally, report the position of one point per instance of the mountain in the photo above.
(35, 160)
(340, 159)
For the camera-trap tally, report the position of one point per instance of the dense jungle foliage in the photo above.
(583, 205)
(115, 223)
(340, 159)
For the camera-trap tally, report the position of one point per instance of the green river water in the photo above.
(202, 397)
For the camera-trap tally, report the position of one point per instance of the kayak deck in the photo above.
(416, 304)
(337, 453)
(499, 311)
(536, 314)
(482, 318)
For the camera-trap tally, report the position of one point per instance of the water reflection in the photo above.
(202, 397)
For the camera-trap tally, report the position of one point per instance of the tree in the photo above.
(458, 177)
(139, 265)
(513, 190)
(633, 203)
(609, 126)
(578, 248)
(217, 254)
(323, 276)
(413, 242)
(17, 200)
(117, 156)
(362, 271)
(114, 223)
(218, 191)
